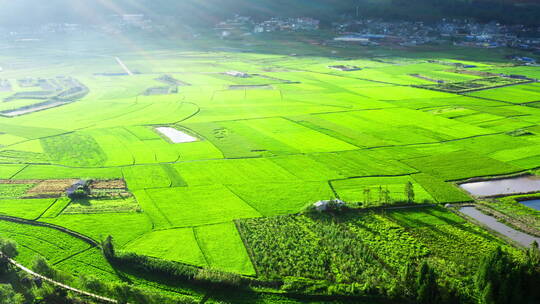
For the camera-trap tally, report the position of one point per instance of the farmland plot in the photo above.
(49, 243)
(13, 190)
(223, 248)
(314, 246)
(271, 199)
(193, 206)
(54, 172)
(74, 149)
(25, 208)
(123, 227)
(90, 262)
(177, 245)
(450, 166)
(262, 155)
(232, 171)
(353, 190)
(515, 94)
(111, 205)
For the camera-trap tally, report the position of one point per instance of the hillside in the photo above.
(209, 11)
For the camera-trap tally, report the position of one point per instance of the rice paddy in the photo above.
(223, 152)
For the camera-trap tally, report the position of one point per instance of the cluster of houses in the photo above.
(243, 26)
(458, 32)
(288, 24)
(363, 31)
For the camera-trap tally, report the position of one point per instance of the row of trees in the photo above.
(384, 197)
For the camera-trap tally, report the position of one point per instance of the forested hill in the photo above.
(206, 12)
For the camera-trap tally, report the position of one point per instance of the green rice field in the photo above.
(231, 199)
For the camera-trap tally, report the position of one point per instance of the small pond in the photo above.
(534, 204)
(176, 136)
(507, 186)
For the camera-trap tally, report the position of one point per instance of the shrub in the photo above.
(218, 277)
(41, 266)
(8, 248)
(8, 295)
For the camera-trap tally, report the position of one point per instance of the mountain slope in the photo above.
(24, 12)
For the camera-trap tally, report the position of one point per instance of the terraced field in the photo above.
(262, 155)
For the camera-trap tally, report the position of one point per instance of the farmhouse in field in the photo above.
(326, 205)
(76, 185)
(238, 74)
(345, 68)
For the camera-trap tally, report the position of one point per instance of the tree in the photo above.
(496, 278)
(487, 294)
(9, 248)
(533, 255)
(53, 294)
(531, 275)
(367, 196)
(9, 296)
(122, 292)
(386, 196)
(107, 247)
(41, 266)
(409, 192)
(81, 192)
(427, 291)
(381, 195)
(92, 283)
(407, 282)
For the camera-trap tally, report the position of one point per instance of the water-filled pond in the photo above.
(535, 204)
(507, 186)
(176, 136)
(491, 222)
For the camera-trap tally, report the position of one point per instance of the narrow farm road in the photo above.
(81, 292)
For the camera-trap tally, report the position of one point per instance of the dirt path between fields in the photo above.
(64, 286)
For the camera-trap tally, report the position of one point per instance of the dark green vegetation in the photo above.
(369, 252)
(371, 137)
(501, 279)
(18, 286)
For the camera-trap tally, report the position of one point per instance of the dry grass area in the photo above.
(108, 184)
(52, 188)
(19, 181)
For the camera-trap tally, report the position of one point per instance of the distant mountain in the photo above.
(205, 12)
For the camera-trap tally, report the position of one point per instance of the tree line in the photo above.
(382, 196)
(503, 277)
